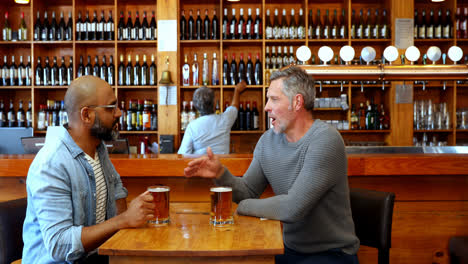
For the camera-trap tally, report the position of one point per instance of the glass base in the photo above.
(160, 222)
(222, 223)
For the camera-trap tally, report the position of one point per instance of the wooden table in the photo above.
(189, 238)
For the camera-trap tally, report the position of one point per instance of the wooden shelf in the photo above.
(365, 131)
(15, 42)
(40, 131)
(459, 130)
(15, 87)
(137, 42)
(99, 42)
(328, 40)
(434, 40)
(50, 87)
(198, 86)
(330, 109)
(248, 86)
(137, 132)
(52, 42)
(241, 132)
(371, 40)
(137, 86)
(209, 41)
(290, 40)
(433, 131)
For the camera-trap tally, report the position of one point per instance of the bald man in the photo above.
(76, 200)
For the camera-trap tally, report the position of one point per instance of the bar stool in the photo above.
(372, 215)
(12, 214)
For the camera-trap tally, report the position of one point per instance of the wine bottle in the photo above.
(318, 26)
(145, 31)
(375, 27)
(88, 27)
(37, 27)
(334, 26)
(354, 25)
(198, 26)
(240, 31)
(153, 28)
(22, 29)
(241, 69)
(342, 25)
(248, 117)
(69, 28)
(39, 73)
(129, 71)
(438, 25)
(258, 74)
(81, 70)
(215, 26)
(447, 25)
(45, 28)
(191, 26)
(137, 71)
(292, 58)
(92, 33)
(249, 25)
(69, 71)
(13, 72)
(257, 25)
(233, 25)
(53, 28)
(285, 56)
(215, 70)
(422, 25)
(109, 32)
(415, 25)
(121, 29)
(144, 79)
(233, 70)
(110, 71)
(121, 70)
(360, 26)
(29, 115)
(101, 27)
(88, 68)
(54, 78)
(185, 72)
(21, 72)
(103, 69)
(384, 29)
(129, 32)
(430, 25)
(6, 29)
(62, 73)
(206, 26)
(293, 26)
(226, 27)
(60, 33)
(367, 25)
(284, 26)
(152, 72)
(205, 70)
(226, 75)
(268, 26)
(46, 70)
(301, 30)
(135, 33)
(249, 73)
(276, 26)
(310, 29)
(195, 71)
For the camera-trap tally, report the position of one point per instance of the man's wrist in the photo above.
(220, 172)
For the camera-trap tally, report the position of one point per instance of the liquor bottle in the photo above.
(154, 29)
(334, 26)
(81, 70)
(62, 116)
(37, 27)
(11, 115)
(360, 26)
(354, 118)
(258, 74)
(86, 34)
(447, 25)
(422, 25)
(301, 31)
(438, 25)
(430, 25)
(45, 27)
(39, 73)
(131, 116)
(370, 117)
(123, 117)
(384, 28)
(3, 118)
(145, 30)
(135, 32)
(20, 115)
(137, 71)
(384, 119)
(60, 31)
(54, 79)
(21, 72)
(110, 71)
(46, 71)
(342, 25)
(88, 70)
(95, 68)
(121, 70)
(318, 26)
(22, 29)
(192, 115)
(109, 31)
(226, 75)
(5, 72)
(53, 28)
(121, 29)
(276, 26)
(284, 26)
(129, 71)
(268, 26)
(279, 59)
(191, 26)
(241, 116)
(215, 26)
(249, 25)
(152, 72)
(310, 29)
(241, 69)
(226, 26)
(285, 58)
(100, 26)
(93, 31)
(205, 70)
(255, 117)
(13, 73)
(248, 117)
(415, 25)
(6, 29)
(69, 70)
(257, 28)
(249, 72)
(129, 34)
(368, 25)
(67, 34)
(267, 58)
(62, 73)
(184, 116)
(240, 30)
(195, 71)
(146, 120)
(154, 117)
(354, 25)
(139, 115)
(233, 70)
(375, 26)
(215, 70)
(233, 25)
(293, 26)
(206, 26)
(144, 79)
(292, 58)
(273, 58)
(464, 23)
(103, 69)
(362, 117)
(29, 115)
(186, 72)
(198, 26)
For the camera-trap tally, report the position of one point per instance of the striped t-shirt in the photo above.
(101, 188)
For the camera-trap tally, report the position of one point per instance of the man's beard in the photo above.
(104, 133)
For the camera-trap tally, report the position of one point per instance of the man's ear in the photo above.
(85, 115)
(298, 102)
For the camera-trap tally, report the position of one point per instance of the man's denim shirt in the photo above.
(62, 199)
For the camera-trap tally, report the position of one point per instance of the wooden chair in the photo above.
(372, 214)
(12, 214)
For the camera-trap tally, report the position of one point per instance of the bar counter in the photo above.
(431, 192)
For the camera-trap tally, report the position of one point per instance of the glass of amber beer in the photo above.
(161, 202)
(221, 206)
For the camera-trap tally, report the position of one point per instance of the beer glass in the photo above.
(221, 206)
(161, 202)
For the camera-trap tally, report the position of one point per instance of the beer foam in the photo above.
(158, 189)
(221, 189)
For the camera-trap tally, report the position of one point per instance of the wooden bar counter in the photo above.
(189, 238)
(431, 192)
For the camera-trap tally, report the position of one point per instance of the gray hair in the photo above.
(203, 100)
(297, 81)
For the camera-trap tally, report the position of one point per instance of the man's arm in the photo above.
(240, 87)
(121, 205)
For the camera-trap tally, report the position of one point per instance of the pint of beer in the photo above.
(221, 206)
(161, 202)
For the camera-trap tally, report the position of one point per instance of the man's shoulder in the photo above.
(53, 155)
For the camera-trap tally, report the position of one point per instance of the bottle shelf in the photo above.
(198, 86)
(330, 109)
(209, 41)
(248, 86)
(291, 40)
(245, 41)
(50, 87)
(241, 132)
(136, 41)
(15, 42)
(137, 86)
(459, 130)
(434, 40)
(351, 131)
(462, 40)
(327, 40)
(15, 87)
(138, 132)
(99, 42)
(370, 40)
(433, 130)
(52, 42)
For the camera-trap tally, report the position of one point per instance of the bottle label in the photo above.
(367, 32)
(248, 28)
(293, 32)
(91, 27)
(11, 117)
(334, 33)
(342, 31)
(133, 33)
(446, 31)
(422, 32)
(375, 32)
(318, 32)
(429, 32)
(148, 33)
(100, 27)
(269, 32)
(232, 29)
(186, 75)
(255, 122)
(20, 116)
(239, 28)
(285, 32)
(301, 32)
(140, 33)
(438, 32)
(383, 32)
(256, 29)
(146, 119)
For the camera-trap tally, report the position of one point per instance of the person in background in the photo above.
(76, 200)
(210, 130)
(304, 161)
